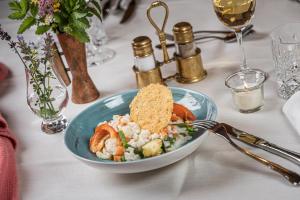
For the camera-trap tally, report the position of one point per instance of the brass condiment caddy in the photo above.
(187, 56)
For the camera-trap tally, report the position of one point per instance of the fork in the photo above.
(224, 130)
(171, 37)
(228, 38)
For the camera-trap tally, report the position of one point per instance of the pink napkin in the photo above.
(8, 174)
(3, 71)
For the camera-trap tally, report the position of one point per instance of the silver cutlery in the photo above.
(228, 38)
(265, 145)
(224, 130)
(200, 33)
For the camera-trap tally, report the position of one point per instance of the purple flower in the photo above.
(45, 7)
(12, 44)
(20, 38)
(4, 35)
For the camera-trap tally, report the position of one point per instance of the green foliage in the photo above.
(34, 10)
(19, 9)
(42, 29)
(26, 24)
(70, 17)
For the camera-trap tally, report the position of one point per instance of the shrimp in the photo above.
(180, 111)
(102, 133)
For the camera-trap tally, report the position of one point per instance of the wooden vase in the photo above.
(83, 88)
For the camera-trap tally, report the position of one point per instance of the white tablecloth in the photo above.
(215, 171)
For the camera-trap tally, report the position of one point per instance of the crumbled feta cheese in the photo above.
(143, 138)
(155, 136)
(132, 143)
(166, 143)
(130, 155)
(110, 145)
(104, 154)
(124, 120)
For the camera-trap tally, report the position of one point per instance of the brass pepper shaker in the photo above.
(146, 69)
(184, 39)
(188, 55)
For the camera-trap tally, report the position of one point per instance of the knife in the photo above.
(128, 12)
(265, 145)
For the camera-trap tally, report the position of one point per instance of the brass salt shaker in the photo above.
(146, 68)
(188, 55)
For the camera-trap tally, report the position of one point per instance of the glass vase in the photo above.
(47, 98)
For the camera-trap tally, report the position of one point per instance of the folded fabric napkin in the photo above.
(291, 109)
(8, 174)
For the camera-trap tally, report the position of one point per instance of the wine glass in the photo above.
(96, 52)
(236, 15)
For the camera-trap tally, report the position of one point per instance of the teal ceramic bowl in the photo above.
(81, 129)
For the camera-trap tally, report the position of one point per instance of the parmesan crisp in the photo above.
(152, 107)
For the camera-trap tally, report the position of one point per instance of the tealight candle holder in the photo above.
(247, 89)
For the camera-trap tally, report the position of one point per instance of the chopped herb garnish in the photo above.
(123, 158)
(190, 129)
(139, 152)
(171, 140)
(123, 139)
(163, 147)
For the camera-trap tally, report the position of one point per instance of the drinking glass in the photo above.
(236, 15)
(286, 56)
(96, 52)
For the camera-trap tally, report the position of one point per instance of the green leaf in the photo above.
(97, 5)
(98, 8)
(26, 24)
(68, 29)
(89, 15)
(16, 15)
(81, 35)
(15, 6)
(33, 10)
(72, 3)
(82, 23)
(76, 7)
(65, 14)
(24, 5)
(94, 12)
(42, 29)
(57, 18)
(66, 6)
(78, 15)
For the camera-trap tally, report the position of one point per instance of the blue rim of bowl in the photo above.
(213, 117)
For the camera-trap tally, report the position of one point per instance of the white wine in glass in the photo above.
(236, 15)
